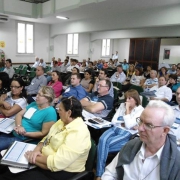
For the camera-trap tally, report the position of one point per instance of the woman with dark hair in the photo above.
(87, 83)
(63, 152)
(56, 83)
(138, 78)
(15, 100)
(125, 125)
(4, 83)
(147, 72)
(163, 72)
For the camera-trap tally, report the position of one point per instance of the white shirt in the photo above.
(137, 169)
(135, 80)
(115, 56)
(164, 92)
(71, 67)
(35, 65)
(43, 64)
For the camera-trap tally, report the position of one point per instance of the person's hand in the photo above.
(127, 104)
(152, 98)
(97, 80)
(20, 130)
(31, 156)
(6, 105)
(117, 75)
(3, 97)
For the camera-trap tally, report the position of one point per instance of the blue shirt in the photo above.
(35, 123)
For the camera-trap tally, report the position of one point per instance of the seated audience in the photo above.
(172, 83)
(130, 71)
(75, 70)
(99, 64)
(105, 65)
(138, 78)
(14, 101)
(163, 72)
(147, 72)
(150, 156)
(56, 83)
(75, 89)
(87, 83)
(111, 64)
(118, 76)
(103, 74)
(125, 66)
(34, 121)
(42, 63)
(64, 66)
(59, 62)
(163, 92)
(178, 72)
(116, 62)
(36, 83)
(115, 56)
(1, 67)
(4, 83)
(36, 63)
(99, 103)
(55, 67)
(64, 151)
(125, 126)
(82, 67)
(9, 69)
(73, 64)
(172, 70)
(152, 82)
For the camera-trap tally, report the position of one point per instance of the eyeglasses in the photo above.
(101, 85)
(147, 126)
(15, 87)
(41, 95)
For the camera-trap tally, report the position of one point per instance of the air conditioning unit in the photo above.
(4, 18)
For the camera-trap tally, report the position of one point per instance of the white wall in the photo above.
(8, 34)
(60, 47)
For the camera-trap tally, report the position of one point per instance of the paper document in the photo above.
(96, 124)
(7, 125)
(15, 155)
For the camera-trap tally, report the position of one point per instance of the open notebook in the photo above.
(7, 125)
(14, 156)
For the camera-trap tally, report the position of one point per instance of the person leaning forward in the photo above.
(152, 156)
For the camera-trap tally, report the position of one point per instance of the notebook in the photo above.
(14, 156)
(7, 125)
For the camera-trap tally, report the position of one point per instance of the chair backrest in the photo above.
(139, 89)
(91, 157)
(118, 85)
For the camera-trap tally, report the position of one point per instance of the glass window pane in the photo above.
(107, 47)
(69, 44)
(21, 38)
(75, 44)
(29, 38)
(103, 47)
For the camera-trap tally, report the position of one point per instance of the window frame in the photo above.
(30, 23)
(106, 47)
(72, 55)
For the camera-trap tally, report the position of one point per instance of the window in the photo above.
(25, 38)
(105, 47)
(72, 44)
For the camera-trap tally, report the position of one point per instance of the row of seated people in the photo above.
(103, 89)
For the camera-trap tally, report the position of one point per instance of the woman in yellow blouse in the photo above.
(64, 151)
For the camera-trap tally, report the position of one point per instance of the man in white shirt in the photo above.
(73, 64)
(115, 56)
(9, 69)
(118, 76)
(42, 63)
(36, 63)
(152, 156)
(163, 93)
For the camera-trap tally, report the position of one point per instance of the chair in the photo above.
(118, 85)
(139, 89)
(144, 101)
(88, 174)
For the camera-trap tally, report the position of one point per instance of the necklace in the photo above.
(151, 171)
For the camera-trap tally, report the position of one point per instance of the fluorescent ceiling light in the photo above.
(61, 17)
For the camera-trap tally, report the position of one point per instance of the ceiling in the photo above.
(35, 1)
(96, 9)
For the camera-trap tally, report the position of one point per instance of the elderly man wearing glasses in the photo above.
(99, 103)
(152, 156)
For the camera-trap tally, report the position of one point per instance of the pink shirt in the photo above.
(57, 86)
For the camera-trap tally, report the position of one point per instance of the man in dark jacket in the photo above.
(152, 156)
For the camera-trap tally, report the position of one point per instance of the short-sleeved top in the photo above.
(135, 80)
(20, 102)
(85, 83)
(164, 92)
(150, 82)
(106, 100)
(40, 116)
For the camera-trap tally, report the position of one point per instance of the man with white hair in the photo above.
(152, 156)
(36, 63)
(152, 83)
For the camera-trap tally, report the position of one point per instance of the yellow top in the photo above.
(67, 147)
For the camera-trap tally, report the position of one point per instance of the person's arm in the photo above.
(113, 77)
(95, 85)
(142, 82)
(85, 102)
(110, 170)
(10, 112)
(11, 73)
(94, 107)
(40, 134)
(90, 87)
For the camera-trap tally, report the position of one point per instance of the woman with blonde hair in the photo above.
(130, 71)
(124, 127)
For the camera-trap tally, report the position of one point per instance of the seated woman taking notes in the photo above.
(63, 152)
(34, 121)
